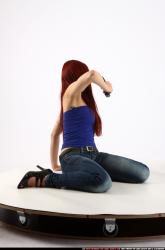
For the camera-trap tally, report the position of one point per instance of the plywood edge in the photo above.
(92, 216)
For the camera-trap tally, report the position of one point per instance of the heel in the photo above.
(41, 168)
(48, 170)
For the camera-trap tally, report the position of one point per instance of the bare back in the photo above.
(72, 102)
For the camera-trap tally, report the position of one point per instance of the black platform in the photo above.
(84, 227)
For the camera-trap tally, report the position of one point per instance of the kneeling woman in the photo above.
(83, 167)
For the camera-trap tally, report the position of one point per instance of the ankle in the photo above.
(43, 181)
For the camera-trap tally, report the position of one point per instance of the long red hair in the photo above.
(71, 71)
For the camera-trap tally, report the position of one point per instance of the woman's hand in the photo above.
(57, 167)
(108, 87)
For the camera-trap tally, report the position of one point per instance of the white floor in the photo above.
(149, 197)
(11, 237)
(121, 199)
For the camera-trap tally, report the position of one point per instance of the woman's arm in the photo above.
(54, 148)
(85, 80)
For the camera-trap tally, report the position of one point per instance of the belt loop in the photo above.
(88, 148)
(81, 150)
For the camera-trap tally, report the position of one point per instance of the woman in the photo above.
(83, 167)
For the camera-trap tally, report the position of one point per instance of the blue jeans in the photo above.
(95, 171)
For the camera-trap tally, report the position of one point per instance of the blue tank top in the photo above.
(78, 127)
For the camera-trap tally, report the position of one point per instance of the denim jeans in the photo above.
(94, 171)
